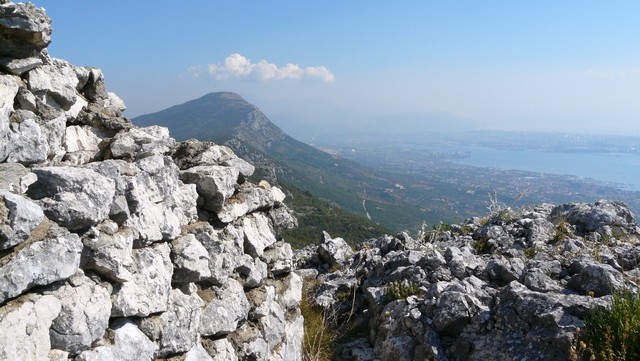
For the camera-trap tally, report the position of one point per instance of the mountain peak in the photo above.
(219, 117)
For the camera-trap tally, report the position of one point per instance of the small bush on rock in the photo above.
(613, 333)
(402, 290)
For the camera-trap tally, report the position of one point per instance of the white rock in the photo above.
(53, 131)
(190, 260)
(20, 66)
(213, 183)
(15, 178)
(129, 344)
(221, 349)
(252, 270)
(34, 265)
(114, 101)
(292, 295)
(142, 142)
(224, 312)
(248, 199)
(198, 353)
(26, 143)
(176, 330)
(155, 222)
(268, 315)
(75, 198)
(279, 257)
(82, 143)
(55, 84)
(86, 308)
(291, 347)
(225, 248)
(24, 327)
(257, 234)
(148, 291)
(22, 216)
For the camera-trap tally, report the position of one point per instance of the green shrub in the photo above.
(401, 290)
(613, 333)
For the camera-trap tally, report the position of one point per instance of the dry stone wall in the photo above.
(118, 243)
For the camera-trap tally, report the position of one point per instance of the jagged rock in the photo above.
(33, 265)
(537, 280)
(126, 343)
(108, 117)
(118, 171)
(58, 355)
(56, 86)
(15, 178)
(193, 153)
(334, 251)
(26, 144)
(221, 349)
(198, 353)
(454, 311)
(24, 327)
(249, 344)
(228, 308)
(175, 330)
(148, 291)
(18, 216)
(248, 199)
(252, 270)
(282, 219)
(291, 347)
(84, 317)
(257, 234)
(213, 183)
(593, 217)
(225, 248)
(504, 271)
(19, 66)
(290, 298)
(138, 143)
(599, 279)
(154, 222)
(26, 30)
(279, 257)
(267, 314)
(9, 86)
(75, 198)
(84, 144)
(190, 260)
(107, 251)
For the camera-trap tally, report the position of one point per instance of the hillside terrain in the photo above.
(228, 119)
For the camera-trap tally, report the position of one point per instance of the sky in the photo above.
(509, 65)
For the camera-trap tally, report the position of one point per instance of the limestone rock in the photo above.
(213, 183)
(268, 314)
(127, 343)
(225, 248)
(246, 200)
(9, 86)
(220, 349)
(15, 178)
(26, 30)
(142, 142)
(198, 353)
(257, 234)
(56, 86)
(279, 257)
(18, 216)
(33, 265)
(84, 317)
(109, 253)
(291, 347)
(225, 311)
(175, 330)
(84, 144)
(20, 66)
(26, 144)
(148, 291)
(24, 327)
(190, 260)
(75, 198)
(334, 251)
(193, 153)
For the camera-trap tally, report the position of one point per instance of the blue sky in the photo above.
(537, 65)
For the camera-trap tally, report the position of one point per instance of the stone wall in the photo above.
(118, 243)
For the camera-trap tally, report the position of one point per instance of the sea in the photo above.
(622, 170)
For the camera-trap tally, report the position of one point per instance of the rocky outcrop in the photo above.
(117, 242)
(514, 285)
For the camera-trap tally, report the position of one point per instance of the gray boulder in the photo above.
(15, 178)
(24, 327)
(138, 143)
(213, 183)
(107, 251)
(190, 260)
(33, 265)
(84, 317)
(148, 291)
(18, 217)
(334, 251)
(225, 311)
(125, 342)
(257, 234)
(75, 198)
(26, 30)
(599, 279)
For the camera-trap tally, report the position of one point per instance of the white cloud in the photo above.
(237, 66)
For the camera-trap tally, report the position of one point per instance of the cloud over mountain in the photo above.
(236, 66)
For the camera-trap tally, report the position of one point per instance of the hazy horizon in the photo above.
(543, 66)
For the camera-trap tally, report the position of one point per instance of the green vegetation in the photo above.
(481, 246)
(315, 216)
(613, 333)
(401, 290)
(318, 336)
(563, 231)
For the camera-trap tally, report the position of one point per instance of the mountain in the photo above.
(301, 169)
